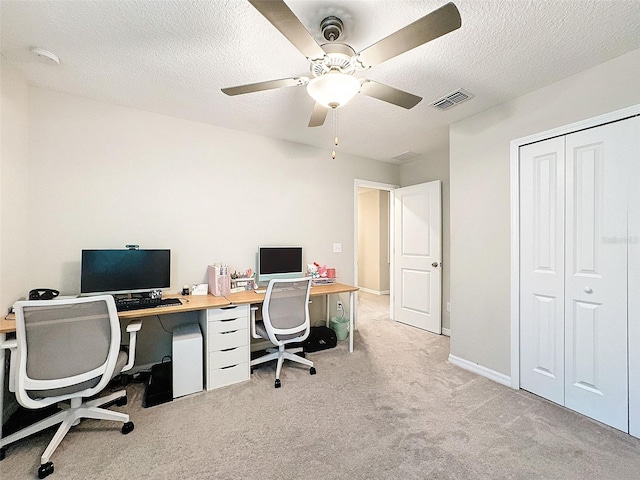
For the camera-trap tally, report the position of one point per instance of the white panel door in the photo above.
(418, 256)
(596, 273)
(633, 246)
(542, 269)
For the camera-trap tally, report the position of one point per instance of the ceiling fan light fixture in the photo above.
(333, 89)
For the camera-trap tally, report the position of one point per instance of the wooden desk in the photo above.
(251, 297)
(7, 325)
(190, 303)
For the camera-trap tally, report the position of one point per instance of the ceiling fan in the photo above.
(333, 64)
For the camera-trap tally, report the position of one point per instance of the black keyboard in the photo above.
(126, 304)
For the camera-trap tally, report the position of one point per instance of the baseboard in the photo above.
(480, 370)
(446, 332)
(374, 292)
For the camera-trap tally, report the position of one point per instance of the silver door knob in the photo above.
(588, 290)
(434, 264)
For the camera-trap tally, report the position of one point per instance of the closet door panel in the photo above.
(633, 245)
(542, 269)
(596, 273)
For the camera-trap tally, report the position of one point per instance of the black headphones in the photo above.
(43, 294)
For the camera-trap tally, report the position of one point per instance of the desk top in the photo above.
(7, 325)
(250, 296)
(200, 302)
(190, 303)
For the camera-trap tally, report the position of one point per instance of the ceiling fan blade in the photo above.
(268, 85)
(318, 116)
(389, 94)
(281, 17)
(437, 23)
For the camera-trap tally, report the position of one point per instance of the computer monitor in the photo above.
(279, 262)
(124, 271)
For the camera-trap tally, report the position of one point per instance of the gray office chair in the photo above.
(285, 320)
(66, 351)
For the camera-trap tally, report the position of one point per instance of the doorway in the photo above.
(398, 249)
(373, 224)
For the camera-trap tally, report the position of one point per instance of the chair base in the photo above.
(280, 354)
(68, 417)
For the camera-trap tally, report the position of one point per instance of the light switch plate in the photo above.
(337, 248)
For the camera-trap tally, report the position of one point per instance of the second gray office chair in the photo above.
(66, 351)
(285, 320)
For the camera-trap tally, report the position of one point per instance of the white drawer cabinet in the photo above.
(226, 352)
(226, 340)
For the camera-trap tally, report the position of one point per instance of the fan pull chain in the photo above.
(335, 132)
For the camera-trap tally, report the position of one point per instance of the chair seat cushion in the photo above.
(262, 331)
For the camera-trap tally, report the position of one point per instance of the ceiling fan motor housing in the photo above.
(331, 28)
(338, 56)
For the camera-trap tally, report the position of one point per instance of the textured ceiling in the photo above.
(173, 57)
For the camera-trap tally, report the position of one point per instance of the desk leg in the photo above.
(328, 302)
(351, 322)
(3, 337)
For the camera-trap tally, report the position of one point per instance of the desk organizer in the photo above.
(219, 280)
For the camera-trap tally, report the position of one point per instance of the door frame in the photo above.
(515, 216)
(378, 186)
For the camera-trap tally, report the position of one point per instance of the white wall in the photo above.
(14, 103)
(480, 203)
(103, 176)
(430, 167)
(13, 186)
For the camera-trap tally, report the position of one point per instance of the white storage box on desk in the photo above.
(227, 353)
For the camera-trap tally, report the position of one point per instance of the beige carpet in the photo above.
(394, 409)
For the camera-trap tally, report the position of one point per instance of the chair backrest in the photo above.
(66, 348)
(285, 310)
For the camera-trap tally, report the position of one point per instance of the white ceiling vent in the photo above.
(453, 99)
(403, 157)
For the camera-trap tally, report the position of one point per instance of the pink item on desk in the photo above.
(219, 280)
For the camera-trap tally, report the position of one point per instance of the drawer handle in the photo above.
(227, 333)
(230, 366)
(229, 349)
(230, 307)
(229, 320)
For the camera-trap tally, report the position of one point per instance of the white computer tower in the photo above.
(187, 360)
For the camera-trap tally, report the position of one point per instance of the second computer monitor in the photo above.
(279, 262)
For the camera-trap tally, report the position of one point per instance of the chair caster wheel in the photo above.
(2, 453)
(312, 371)
(45, 470)
(121, 401)
(127, 427)
(278, 384)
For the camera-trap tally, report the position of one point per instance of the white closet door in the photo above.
(542, 269)
(596, 273)
(634, 284)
